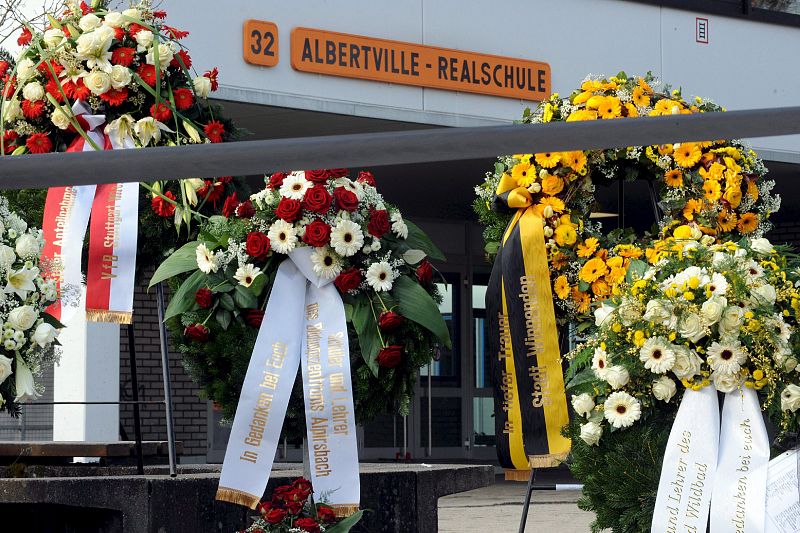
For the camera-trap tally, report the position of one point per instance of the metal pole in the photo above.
(430, 411)
(527, 504)
(405, 438)
(654, 200)
(137, 424)
(162, 330)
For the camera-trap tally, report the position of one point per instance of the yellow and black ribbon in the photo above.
(530, 401)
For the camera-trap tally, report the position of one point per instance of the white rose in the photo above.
(601, 314)
(113, 19)
(727, 382)
(44, 334)
(60, 119)
(89, 22)
(707, 240)
(11, 110)
(658, 311)
(120, 76)
(202, 86)
(22, 317)
(25, 69)
(5, 368)
(27, 246)
(591, 433)
(617, 376)
(90, 45)
(790, 364)
(53, 37)
(790, 398)
(761, 246)
(33, 91)
(691, 327)
(144, 39)
(731, 321)
(132, 13)
(764, 295)
(712, 309)
(583, 404)
(696, 233)
(98, 82)
(629, 311)
(664, 389)
(164, 56)
(687, 362)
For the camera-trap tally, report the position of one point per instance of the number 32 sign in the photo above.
(260, 43)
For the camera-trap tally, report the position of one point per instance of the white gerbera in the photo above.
(621, 409)
(205, 259)
(600, 362)
(727, 357)
(282, 236)
(718, 284)
(247, 274)
(326, 263)
(399, 227)
(657, 355)
(347, 238)
(295, 186)
(380, 276)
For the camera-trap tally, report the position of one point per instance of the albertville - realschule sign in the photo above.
(354, 56)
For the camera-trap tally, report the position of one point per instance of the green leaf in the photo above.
(226, 301)
(53, 321)
(224, 318)
(636, 270)
(499, 168)
(584, 376)
(345, 525)
(257, 287)
(492, 247)
(184, 259)
(583, 326)
(419, 239)
(223, 287)
(244, 298)
(183, 299)
(367, 329)
(417, 305)
(583, 286)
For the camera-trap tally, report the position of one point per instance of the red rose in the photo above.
(294, 507)
(288, 209)
(378, 222)
(345, 200)
(160, 112)
(204, 298)
(225, 179)
(325, 514)
(302, 484)
(280, 493)
(257, 245)
(263, 507)
(390, 356)
(389, 320)
(197, 333)
(230, 205)
(162, 207)
(349, 280)
(317, 234)
(245, 209)
(334, 173)
(307, 524)
(317, 199)
(276, 180)
(39, 143)
(253, 317)
(317, 176)
(275, 516)
(366, 176)
(425, 272)
(184, 98)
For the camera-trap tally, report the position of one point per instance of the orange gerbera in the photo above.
(553, 201)
(629, 251)
(581, 299)
(674, 178)
(692, 206)
(630, 111)
(640, 98)
(559, 260)
(644, 85)
(548, 159)
(593, 269)
(726, 220)
(616, 275)
(587, 247)
(575, 160)
(561, 287)
(748, 223)
(712, 190)
(687, 155)
(752, 190)
(609, 107)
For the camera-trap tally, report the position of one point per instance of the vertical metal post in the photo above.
(654, 200)
(527, 504)
(405, 437)
(137, 424)
(430, 412)
(162, 330)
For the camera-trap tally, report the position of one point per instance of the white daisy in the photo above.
(246, 274)
(621, 409)
(380, 276)
(205, 259)
(326, 263)
(295, 186)
(347, 238)
(657, 355)
(600, 362)
(282, 236)
(726, 358)
(399, 226)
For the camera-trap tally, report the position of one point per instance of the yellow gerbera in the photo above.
(587, 247)
(593, 269)
(582, 114)
(665, 107)
(733, 195)
(609, 107)
(582, 98)
(523, 158)
(630, 111)
(644, 85)
(552, 184)
(548, 159)
(687, 155)
(616, 275)
(674, 178)
(629, 251)
(591, 85)
(565, 235)
(581, 299)
(555, 203)
(640, 97)
(665, 149)
(692, 206)
(523, 174)
(712, 190)
(726, 220)
(561, 287)
(748, 223)
(575, 160)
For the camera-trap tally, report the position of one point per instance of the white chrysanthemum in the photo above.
(380, 276)
(347, 238)
(399, 226)
(205, 259)
(326, 263)
(600, 362)
(295, 186)
(727, 357)
(247, 274)
(657, 355)
(621, 409)
(282, 236)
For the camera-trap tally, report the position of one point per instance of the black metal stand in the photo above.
(137, 424)
(525, 506)
(162, 330)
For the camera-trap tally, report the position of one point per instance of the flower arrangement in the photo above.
(28, 331)
(717, 187)
(377, 259)
(292, 510)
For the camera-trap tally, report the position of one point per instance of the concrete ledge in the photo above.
(403, 497)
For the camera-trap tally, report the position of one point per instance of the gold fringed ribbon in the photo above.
(342, 510)
(530, 400)
(104, 315)
(238, 497)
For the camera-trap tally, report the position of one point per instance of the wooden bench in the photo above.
(109, 453)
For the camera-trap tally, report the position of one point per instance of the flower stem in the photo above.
(383, 343)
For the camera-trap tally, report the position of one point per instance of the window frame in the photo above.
(742, 10)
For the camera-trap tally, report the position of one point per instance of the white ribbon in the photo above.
(304, 325)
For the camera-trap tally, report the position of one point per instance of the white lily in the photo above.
(20, 282)
(26, 387)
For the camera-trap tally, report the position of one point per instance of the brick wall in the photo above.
(190, 412)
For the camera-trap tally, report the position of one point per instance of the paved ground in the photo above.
(498, 509)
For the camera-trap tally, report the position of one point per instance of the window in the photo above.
(786, 12)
